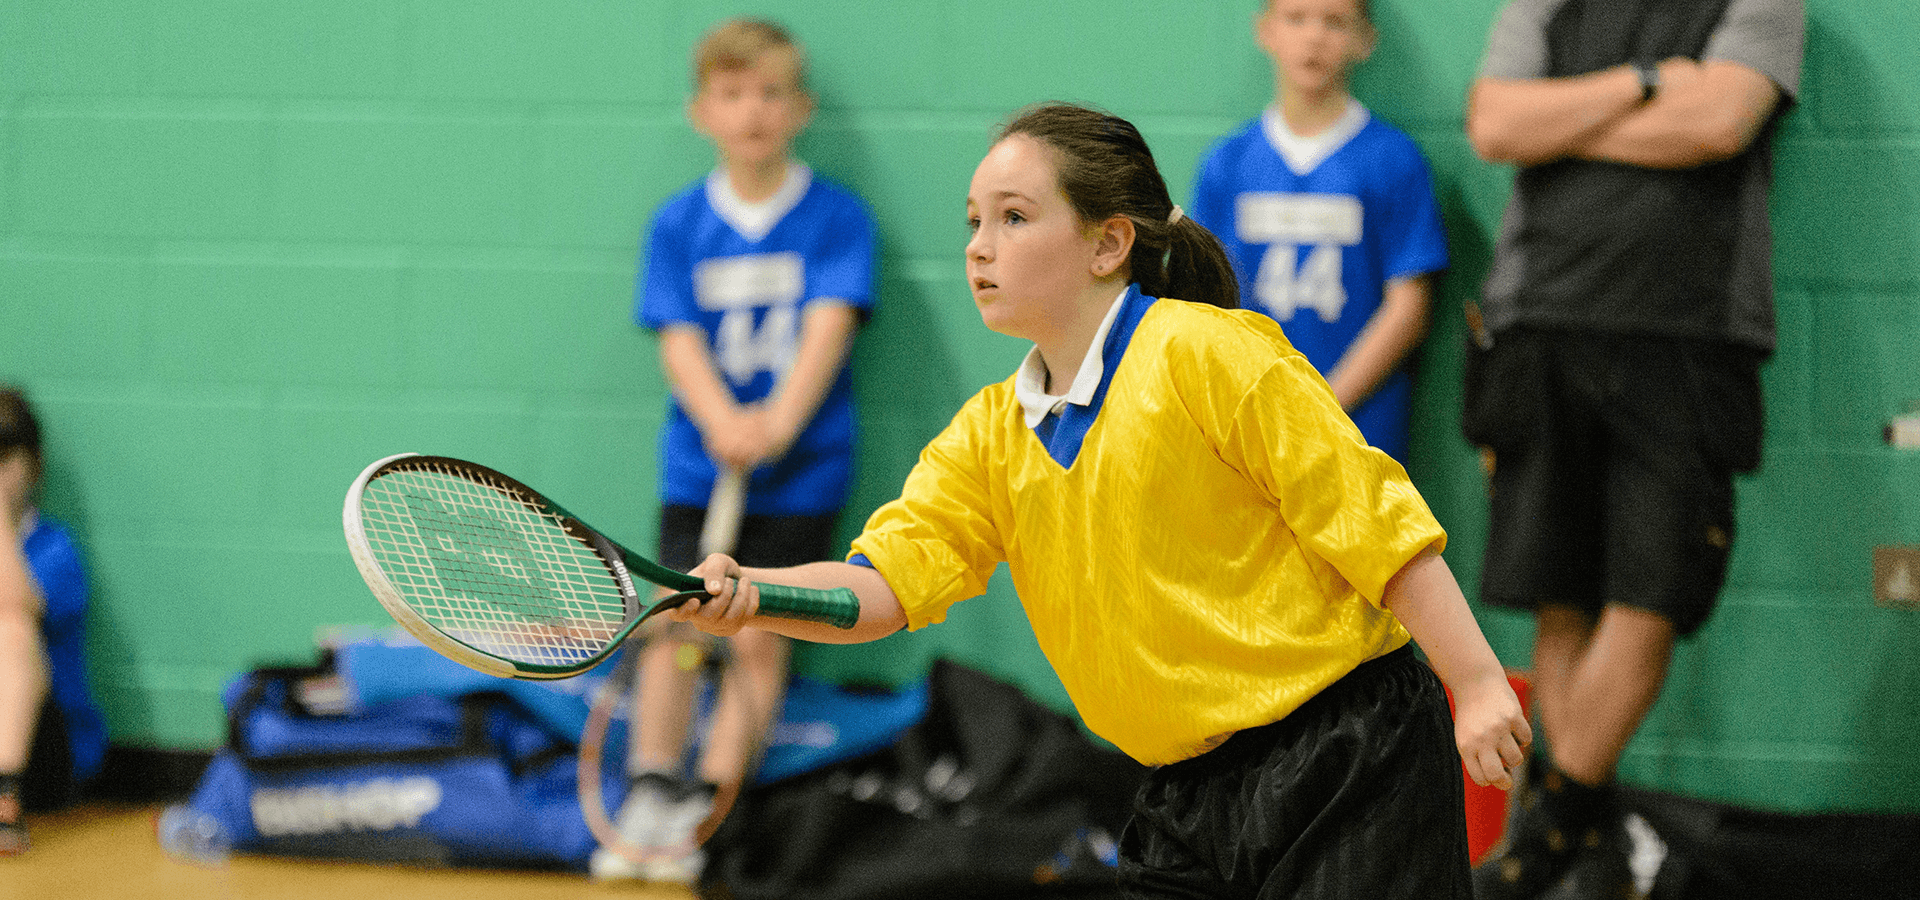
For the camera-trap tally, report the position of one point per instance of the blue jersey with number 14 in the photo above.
(1315, 247)
(747, 284)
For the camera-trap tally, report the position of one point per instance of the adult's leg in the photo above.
(1601, 699)
(1595, 679)
(1561, 637)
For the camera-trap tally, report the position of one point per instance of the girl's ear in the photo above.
(1114, 246)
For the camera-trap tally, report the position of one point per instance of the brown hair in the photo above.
(1106, 170)
(19, 430)
(739, 44)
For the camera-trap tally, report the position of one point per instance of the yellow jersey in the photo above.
(1210, 555)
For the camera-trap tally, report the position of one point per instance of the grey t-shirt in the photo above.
(1764, 35)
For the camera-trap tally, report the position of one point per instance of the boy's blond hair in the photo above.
(1364, 6)
(740, 43)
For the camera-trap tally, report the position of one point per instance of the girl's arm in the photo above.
(1489, 726)
(736, 598)
(1398, 326)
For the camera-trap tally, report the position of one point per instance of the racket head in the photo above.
(487, 571)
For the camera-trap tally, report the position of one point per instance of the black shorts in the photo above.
(1612, 460)
(764, 542)
(48, 782)
(1358, 793)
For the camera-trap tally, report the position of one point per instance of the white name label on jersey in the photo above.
(740, 282)
(1301, 267)
(736, 286)
(1298, 219)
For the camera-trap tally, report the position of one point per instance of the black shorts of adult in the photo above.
(764, 541)
(1611, 460)
(1358, 793)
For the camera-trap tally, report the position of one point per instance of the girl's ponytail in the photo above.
(1197, 267)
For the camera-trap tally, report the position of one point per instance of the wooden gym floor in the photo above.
(108, 851)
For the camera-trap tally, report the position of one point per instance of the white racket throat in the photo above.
(725, 509)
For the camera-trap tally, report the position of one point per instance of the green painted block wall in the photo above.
(247, 248)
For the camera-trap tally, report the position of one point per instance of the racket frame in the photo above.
(620, 562)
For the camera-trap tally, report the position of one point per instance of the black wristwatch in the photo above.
(1649, 80)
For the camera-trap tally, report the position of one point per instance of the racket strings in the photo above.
(491, 567)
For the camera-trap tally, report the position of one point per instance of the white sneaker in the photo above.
(646, 795)
(678, 858)
(661, 817)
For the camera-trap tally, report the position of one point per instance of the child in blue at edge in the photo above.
(756, 279)
(53, 739)
(1329, 216)
(1223, 573)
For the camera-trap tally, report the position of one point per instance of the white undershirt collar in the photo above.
(1029, 383)
(1304, 154)
(755, 221)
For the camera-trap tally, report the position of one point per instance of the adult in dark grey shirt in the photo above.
(1615, 381)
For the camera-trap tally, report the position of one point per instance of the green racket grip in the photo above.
(834, 606)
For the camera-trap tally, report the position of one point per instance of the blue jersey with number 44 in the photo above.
(745, 275)
(1316, 228)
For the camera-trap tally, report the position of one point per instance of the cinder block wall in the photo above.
(247, 248)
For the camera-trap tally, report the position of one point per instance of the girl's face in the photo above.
(1030, 256)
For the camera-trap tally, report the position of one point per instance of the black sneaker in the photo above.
(1601, 869)
(1536, 853)
(1540, 847)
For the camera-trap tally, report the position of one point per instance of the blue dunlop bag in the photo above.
(432, 779)
(388, 752)
(820, 722)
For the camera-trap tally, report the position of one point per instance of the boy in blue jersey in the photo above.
(1329, 216)
(755, 280)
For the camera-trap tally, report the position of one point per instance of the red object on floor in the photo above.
(1487, 806)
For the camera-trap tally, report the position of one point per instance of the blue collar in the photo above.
(1064, 429)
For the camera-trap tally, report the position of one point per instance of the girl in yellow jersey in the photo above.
(1224, 575)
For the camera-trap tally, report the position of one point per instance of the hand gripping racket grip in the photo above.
(837, 607)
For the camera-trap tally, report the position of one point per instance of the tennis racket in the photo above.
(496, 577)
